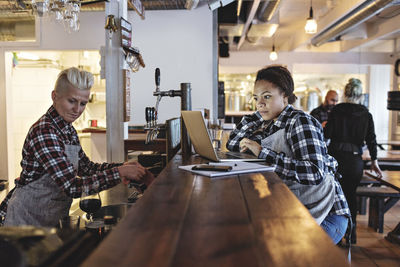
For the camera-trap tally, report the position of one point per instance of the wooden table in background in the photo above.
(381, 143)
(185, 219)
(391, 179)
(383, 155)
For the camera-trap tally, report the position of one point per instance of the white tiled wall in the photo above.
(30, 98)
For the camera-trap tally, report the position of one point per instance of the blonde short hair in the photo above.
(83, 80)
(353, 91)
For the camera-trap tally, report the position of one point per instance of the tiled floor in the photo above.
(372, 249)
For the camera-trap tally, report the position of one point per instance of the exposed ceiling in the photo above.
(343, 25)
(23, 6)
(370, 25)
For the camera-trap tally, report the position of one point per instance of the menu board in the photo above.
(126, 33)
(127, 95)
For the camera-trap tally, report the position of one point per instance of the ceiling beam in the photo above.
(374, 31)
(252, 61)
(295, 41)
(250, 18)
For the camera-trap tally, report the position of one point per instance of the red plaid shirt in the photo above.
(43, 153)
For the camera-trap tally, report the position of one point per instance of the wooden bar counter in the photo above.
(185, 219)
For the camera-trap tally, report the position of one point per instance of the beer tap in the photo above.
(152, 126)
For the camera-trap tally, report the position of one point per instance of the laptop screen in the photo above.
(199, 135)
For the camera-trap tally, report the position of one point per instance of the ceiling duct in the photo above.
(256, 25)
(266, 10)
(357, 16)
(191, 4)
(169, 4)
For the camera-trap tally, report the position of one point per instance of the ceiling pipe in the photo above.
(246, 26)
(262, 12)
(191, 4)
(354, 18)
(267, 9)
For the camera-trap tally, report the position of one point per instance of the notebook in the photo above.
(202, 143)
(237, 168)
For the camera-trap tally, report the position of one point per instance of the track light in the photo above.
(311, 24)
(273, 55)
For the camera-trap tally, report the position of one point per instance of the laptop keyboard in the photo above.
(227, 155)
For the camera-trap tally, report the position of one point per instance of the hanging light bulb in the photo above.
(273, 55)
(311, 24)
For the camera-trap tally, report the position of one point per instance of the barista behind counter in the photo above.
(54, 167)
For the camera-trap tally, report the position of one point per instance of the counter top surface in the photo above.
(94, 130)
(240, 220)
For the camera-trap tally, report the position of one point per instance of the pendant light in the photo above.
(273, 55)
(311, 24)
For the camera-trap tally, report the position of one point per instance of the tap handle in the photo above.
(153, 115)
(148, 114)
(157, 77)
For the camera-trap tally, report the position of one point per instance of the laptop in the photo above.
(202, 143)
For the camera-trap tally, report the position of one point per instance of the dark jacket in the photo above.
(321, 112)
(351, 123)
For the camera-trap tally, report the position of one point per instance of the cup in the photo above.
(92, 123)
(215, 130)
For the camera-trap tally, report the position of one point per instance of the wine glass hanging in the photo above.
(63, 11)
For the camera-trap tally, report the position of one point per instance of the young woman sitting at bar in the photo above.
(293, 142)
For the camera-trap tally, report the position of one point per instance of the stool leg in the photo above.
(372, 214)
(362, 205)
(381, 214)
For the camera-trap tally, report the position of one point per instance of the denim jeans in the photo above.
(335, 226)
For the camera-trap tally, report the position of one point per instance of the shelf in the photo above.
(239, 113)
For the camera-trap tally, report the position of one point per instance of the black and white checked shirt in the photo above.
(305, 137)
(43, 153)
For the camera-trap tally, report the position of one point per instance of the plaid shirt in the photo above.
(305, 137)
(43, 153)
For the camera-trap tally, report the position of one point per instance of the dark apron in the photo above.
(318, 199)
(41, 202)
